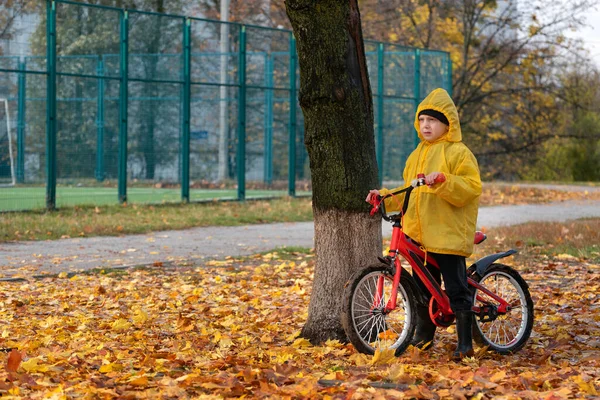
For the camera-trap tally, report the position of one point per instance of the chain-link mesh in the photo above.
(160, 108)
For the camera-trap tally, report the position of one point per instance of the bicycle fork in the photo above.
(394, 262)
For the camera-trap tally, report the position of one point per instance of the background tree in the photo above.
(335, 97)
(12, 10)
(508, 57)
(574, 155)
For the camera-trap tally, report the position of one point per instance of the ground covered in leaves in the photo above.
(230, 329)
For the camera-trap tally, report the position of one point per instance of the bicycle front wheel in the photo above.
(364, 318)
(503, 333)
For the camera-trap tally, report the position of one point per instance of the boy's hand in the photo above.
(434, 177)
(372, 195)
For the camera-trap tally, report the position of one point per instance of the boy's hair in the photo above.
(435, 114)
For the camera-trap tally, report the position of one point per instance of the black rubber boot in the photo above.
(425, 332)
(464, 322)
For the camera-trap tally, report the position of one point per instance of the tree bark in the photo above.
(335, 97)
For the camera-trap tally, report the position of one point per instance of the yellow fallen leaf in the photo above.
(566, 257)
(360, 360)
(140, 316)
(333, 344)
(188, 377)
(587, 387)
(33, 365)
(266, 338)
(121, 325)
(395, 372)
(56, 394)
(387, 335)
(301, 342)
(330, 376)
(498, 376)
(225, 342)
(138, 381)
(110, 367)
(383, 356)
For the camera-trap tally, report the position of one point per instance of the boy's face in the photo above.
(431, 128)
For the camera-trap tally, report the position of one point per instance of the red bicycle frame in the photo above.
(415, 255)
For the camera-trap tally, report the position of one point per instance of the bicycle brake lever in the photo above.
(375, 203)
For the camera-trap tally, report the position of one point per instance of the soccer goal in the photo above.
(7, 158)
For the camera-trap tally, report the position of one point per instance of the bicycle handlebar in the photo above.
(379, 203)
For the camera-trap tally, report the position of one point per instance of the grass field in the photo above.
(32, 198)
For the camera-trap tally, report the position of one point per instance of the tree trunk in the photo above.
(335, 97)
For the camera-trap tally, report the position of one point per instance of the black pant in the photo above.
(454, 270)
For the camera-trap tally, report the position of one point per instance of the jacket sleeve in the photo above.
(462, 185)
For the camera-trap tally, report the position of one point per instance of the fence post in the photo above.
(380, 72)
(292, 123)
(268, 169)
(21, 109)
(187, 91)
(123, 105)
(100, 123)
(51, 105)
(449, 75)
(241, 131)
(417, 87)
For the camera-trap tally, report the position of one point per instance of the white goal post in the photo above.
(10, 142)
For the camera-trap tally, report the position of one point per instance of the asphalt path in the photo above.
(198, 245)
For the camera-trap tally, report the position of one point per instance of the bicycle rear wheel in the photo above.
(503, 333)
(367, 324)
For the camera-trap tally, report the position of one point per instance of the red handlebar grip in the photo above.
(375, 203)
(441, 178)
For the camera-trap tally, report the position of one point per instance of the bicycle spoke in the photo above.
(380, 329)
(506, 328)
(372, 327)
(367, 294)
(368, 297)
(368, 334)
(361, 326)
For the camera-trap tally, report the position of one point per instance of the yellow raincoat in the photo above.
(442, 218)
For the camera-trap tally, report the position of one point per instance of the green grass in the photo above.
(118, 220)
(32, 198)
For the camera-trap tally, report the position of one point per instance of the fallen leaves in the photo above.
(232, 330)
(494, 194)
(14, 360)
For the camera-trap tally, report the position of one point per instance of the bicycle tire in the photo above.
(503, 341)
(367, 327)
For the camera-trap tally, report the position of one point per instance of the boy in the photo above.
(442, 216)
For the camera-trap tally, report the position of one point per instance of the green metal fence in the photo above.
(101, 105)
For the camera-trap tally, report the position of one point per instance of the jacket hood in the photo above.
(439, 100)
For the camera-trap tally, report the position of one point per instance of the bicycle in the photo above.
(379, 306)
